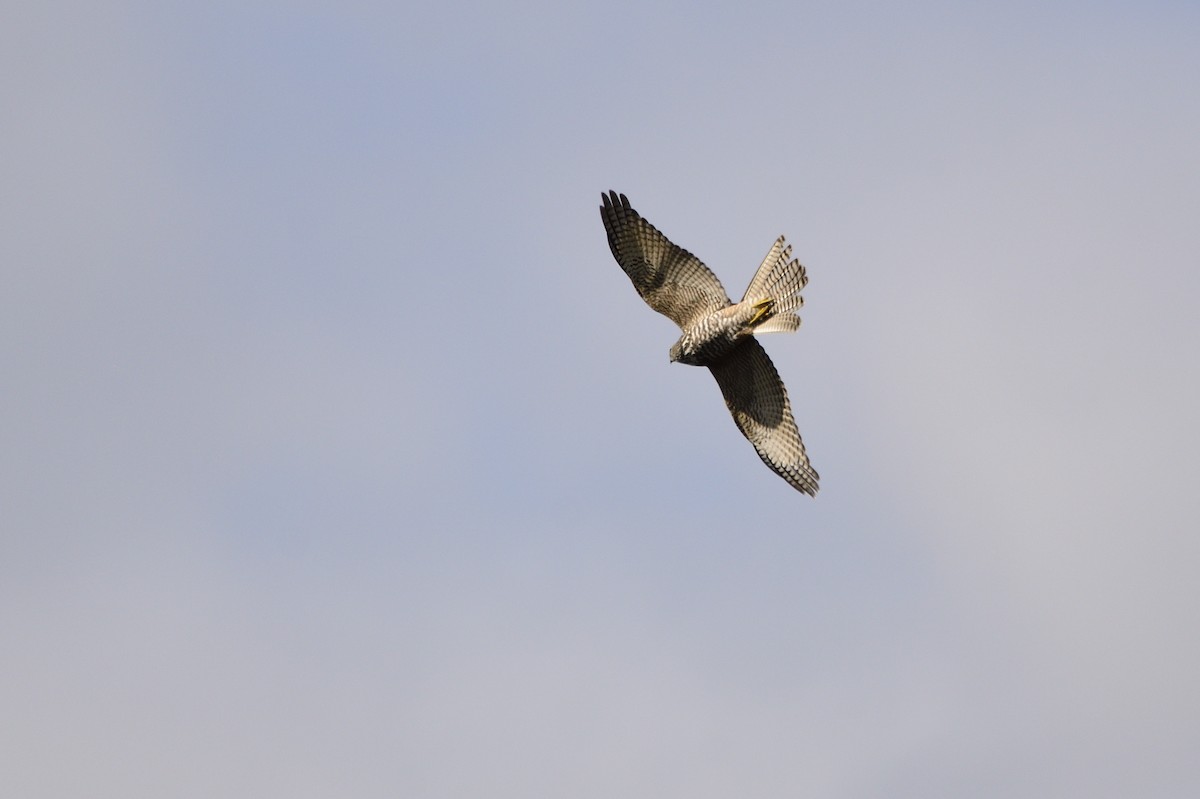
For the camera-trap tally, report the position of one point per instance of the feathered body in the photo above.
(718, 333)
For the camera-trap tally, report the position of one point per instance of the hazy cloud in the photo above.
(339, 457)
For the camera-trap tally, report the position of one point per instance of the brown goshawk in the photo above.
(720, 334)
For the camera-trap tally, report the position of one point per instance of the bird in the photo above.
(721, 334)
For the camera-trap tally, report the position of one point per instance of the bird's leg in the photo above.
(762, 310)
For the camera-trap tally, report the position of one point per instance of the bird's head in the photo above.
(676, 352)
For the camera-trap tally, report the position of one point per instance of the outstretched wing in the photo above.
(758, 401)
(670, 279)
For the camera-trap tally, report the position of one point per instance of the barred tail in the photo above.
(778, 281)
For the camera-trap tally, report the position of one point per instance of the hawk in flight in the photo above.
(721, 334)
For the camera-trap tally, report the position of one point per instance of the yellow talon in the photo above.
(761, 310)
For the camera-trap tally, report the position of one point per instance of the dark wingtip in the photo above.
(614, 200)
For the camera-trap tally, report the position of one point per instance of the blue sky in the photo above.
(339, 457)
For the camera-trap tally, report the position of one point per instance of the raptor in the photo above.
(721, 334)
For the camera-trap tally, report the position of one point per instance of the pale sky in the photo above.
(339, 458)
